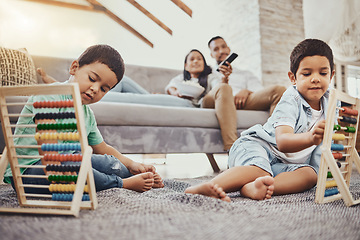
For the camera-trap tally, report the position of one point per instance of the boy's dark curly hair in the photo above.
(310, 47)
(104, 54)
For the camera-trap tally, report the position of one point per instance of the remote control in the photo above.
(229, 59)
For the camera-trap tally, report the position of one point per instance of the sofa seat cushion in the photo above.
(128, 114)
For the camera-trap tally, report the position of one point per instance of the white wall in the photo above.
(63, 32)
(324, 18)
(56, 31)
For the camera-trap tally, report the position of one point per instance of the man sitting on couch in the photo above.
(249, 94)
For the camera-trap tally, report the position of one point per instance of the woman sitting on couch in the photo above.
(217, 93)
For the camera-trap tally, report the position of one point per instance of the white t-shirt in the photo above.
(240, 79)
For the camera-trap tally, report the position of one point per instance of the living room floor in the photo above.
(181, 165)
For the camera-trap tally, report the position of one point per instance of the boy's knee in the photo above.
(309, 174)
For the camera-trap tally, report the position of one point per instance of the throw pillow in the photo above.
(16, 67)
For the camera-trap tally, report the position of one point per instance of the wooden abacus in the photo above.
(338, 151)
(81, 195)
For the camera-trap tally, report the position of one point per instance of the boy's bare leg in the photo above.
(297, 181)
(158, 182)
(234, 179)
(140, 182)
(46, 78)
(209, 189)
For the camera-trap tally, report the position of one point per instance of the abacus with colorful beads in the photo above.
(338, 151)
(65, 199)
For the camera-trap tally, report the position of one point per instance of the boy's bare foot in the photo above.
(260, 189)
(46, 78)
(158, 182)
(141, 182)
(209, 189)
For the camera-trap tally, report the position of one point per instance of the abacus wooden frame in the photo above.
(9, 155)
(327, 159)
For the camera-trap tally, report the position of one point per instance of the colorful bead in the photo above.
(337, 147)
(338, 137)
(337, 155)
(330, 192)
(68, 197)
(349, 111)
(54, 104)
(348, 119)
(62, 168)
(337, 127)
(350, 129)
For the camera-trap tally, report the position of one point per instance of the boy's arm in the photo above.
(134, 167)
(287, 141)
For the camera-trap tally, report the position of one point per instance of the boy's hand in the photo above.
(317, 133)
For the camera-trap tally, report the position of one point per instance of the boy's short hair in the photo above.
(214, 38)
(310, 47)
(104, 54)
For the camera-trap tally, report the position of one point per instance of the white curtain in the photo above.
(346, 39)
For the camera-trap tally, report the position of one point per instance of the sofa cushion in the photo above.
(153, 79)
(57, 68)
(16, 67)
(128, 114)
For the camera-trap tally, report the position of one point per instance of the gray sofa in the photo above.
(147, 129)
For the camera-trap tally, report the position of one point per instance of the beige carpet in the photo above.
(168, 213)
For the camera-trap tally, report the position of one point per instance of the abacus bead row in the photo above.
(330, 192)
(54, 104)
(338, 164)
(337, 155)
(330, 184)
(73, 136)
(64, 188)
(348, 119)
(64, 178)
(349, 111)
(63, 157)
(62, 168)
(61, 146)
(57, 126)
(346, 128)
(338, 137)
(67, 197)
(58, 115)
(337, 147)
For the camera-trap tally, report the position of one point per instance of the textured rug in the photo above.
(168, 213)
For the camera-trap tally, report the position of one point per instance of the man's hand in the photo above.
(226, 71)
(317, 133)
(241, 97)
